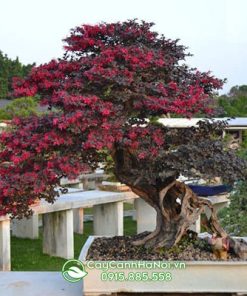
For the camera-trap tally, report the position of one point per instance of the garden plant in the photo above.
(105, 95)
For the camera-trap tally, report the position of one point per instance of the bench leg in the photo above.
(217, 207)
(145, 216)
(196, 227)
(89, 184)
(26, 228)
(134, 216)
(5, 260)
(77, 186)
(58, 237)
(78, 220)
(108, 219)
(220, 205)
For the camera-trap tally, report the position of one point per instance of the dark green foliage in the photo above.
(109, 169)
(234, 218)
(242, 152)
(21, 107)
(238, 90)
(9, 69)
(192, 152)
(234, 104)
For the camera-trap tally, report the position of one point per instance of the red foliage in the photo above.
(111, 78)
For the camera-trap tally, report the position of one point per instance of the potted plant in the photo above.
(107, 92)
(109, 271)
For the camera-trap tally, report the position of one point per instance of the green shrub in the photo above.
(234, 218)
(21, 107)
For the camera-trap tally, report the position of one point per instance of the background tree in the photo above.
(9, 69)
(21, 107)
(234, 104)
(111, 82)
(234, 218)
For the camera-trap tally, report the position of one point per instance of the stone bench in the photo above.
(75, 183)
(90, 181)
(29, 228)
(85, 181)
(58, 224)
(65, 216)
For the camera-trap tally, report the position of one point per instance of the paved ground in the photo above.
(37, 284)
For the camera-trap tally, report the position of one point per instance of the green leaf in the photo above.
(76, 272)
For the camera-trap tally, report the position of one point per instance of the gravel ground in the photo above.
(121, 248)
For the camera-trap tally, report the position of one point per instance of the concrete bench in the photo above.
(58, 224)
(90, 181)
(75, 183)
(29, 228)
(85, 181)
(37, 284)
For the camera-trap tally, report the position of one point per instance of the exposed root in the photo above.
(144, 240)
(173, 220)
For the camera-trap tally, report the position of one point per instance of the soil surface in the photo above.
(121, 248)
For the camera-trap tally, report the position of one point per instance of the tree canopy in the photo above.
(8, 69)
(234, 104)
(104, 94)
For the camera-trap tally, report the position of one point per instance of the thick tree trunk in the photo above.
(177, 206)
(177, 210)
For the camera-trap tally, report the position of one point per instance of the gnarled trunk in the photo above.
(177, 207)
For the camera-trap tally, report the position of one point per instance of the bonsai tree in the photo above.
(105, 95)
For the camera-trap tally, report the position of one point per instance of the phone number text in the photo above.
(136, 276)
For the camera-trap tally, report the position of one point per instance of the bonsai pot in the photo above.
(108, 277)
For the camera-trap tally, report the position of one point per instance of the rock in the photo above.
(121, 247)
(239, 247)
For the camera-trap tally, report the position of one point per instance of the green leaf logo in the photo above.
(73, 271)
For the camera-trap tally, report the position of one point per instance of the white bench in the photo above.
(85, 181)
(58, 221)
(58, 224)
